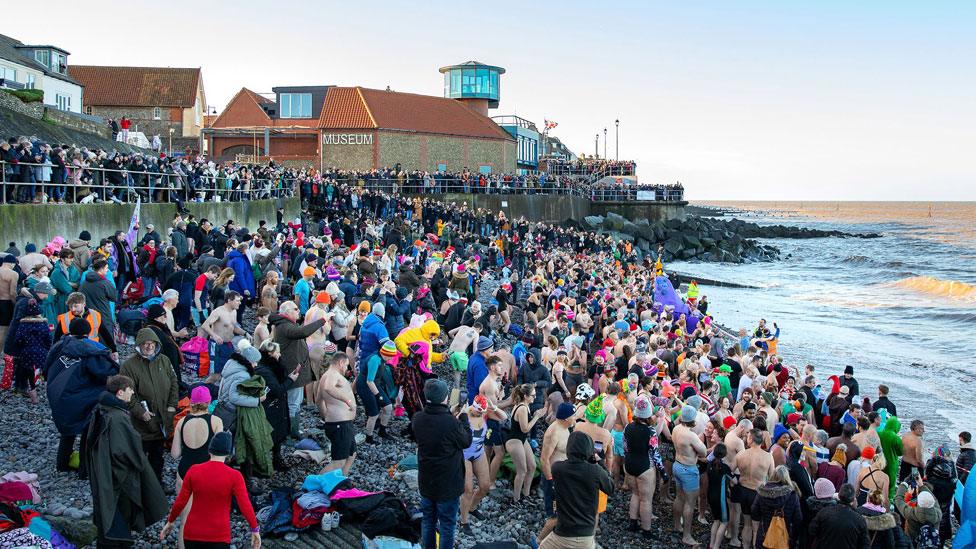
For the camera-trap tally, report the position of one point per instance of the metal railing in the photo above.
(87, 184)
(592, 171)
(640, 193)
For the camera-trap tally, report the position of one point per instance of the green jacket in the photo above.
(156, 384)
(294, 350)
(252, 440)
(892, 448)
(125, 493)
(62, 279)
(916, 517)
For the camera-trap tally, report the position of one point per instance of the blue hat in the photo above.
(779, 431)
(30, 248)
(222, 444)
(565, 411)
(485, 343)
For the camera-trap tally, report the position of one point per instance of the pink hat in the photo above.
(200, 395)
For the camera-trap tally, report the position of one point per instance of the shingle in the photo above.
(137, 86)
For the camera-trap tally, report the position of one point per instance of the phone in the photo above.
(267, 390)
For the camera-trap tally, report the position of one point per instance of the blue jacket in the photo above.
(477, 372)
(76, 371)
(370, 335)
(350, 290)
(396, 311)
(243, 275)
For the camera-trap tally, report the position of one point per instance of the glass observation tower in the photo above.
(474, 84)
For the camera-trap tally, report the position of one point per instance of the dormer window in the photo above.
(61, 63)
(43, 57)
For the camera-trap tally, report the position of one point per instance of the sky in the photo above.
(741, 100)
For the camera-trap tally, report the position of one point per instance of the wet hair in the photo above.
(873, 416)
(846, 494)
(521, 392)
(916, 423)
(718, 454)
(758, 436)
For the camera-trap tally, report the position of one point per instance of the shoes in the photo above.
(330, 521)
(633, 526)
(370, 439)
(477, 514)
(466, 529)
(384, 434)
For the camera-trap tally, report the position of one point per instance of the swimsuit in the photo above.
(618, 442)
(515, 433)
(193, 456)
(477, 448)
(686, 476)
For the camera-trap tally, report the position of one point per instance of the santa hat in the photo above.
(835, 388)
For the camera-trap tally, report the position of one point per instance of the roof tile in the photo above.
(137, 86)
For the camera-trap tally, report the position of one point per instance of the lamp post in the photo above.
(616, 143)
(171, 130)
(604, 142)
(596, 146)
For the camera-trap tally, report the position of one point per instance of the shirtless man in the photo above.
(8, 294)
(755, 465)
(221, 327)
(868, 434)
(734, 444)
(337, 403)
(317, 340)
(616, 410)
(508, 360)
(464, 339)
(912, 443)
(688, 449)
(491, 389)
(553, 450)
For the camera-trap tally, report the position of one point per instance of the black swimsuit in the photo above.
(193, 456)
(515, 433)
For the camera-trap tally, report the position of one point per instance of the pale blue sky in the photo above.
(738, 100)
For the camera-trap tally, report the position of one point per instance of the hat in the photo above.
(485, 343)
(435, 391)
(779, 431)
(694, 401)
(379, 310)
(308, 271)
(725, 369)
(251, 354)
(155, 311)
(388, 348)
(728, 422)
(222, 444)
(688, 414)
(33, 308)
(849, 370)
(642, 407)
(79, 327)
(200, 395)
(565, 411)
(30, 248)
(206, 248)
(584, 391)
(480, 403)
(9, 258)
(85, 235)
(793, 418)
(594, 411)
(330, 348)
(331, 273)
(926, 500)
(323, 297)
(824, 489)
(868, 452)
(44, 288)
(364, 306)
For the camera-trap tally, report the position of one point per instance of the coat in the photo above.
(33, 340)
(915, 517)
(82, 253)
(838, 527)
(125, 492)
(771, 499)
(441, 440)
(276, 405)
(156, 385)
(243, 282)
(294, 350)
(576, 483)
(252, 439)
(371, 333)
(100, 294)
(76, 371)
(884, 530)
(20, 311)
(62, 278)
(178, 239)
(233, 374)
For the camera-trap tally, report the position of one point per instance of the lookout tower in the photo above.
(474, 84)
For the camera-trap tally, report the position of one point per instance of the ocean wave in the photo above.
(857, 260)
(949, 289)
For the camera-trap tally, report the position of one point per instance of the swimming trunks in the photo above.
(618, 442)
(686, 476)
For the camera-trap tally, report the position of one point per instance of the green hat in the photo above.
(725, 369)
(594, 411)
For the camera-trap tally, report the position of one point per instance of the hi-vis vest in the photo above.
(94, 319)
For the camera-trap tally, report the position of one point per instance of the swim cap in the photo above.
(480, 403)
(594, 411)
(642, 407)
(688, 414)
(584, 392)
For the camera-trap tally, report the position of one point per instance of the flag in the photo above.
(135, 214)
(551, 124)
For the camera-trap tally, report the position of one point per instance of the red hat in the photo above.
(836, 386)
(728, 422)
(608, 342)
(793, 418)
(868, 452)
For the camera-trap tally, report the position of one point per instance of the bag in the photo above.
(516, 330)
(776, 535)
(7, 379)
(196, 355)
(928, 537)
(131, 321)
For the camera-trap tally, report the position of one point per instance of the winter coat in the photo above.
(76, 371)
(82, 253)
(156, 385)
(243, 282)
(342, 318)
(20, 311)
(772, 499)
(536, 373)
(395, 311)
(371, 333)
(916, 516)
(178, 239)
(252, 438)
(294, 350)
(838, 527)
(965, 461)
(276, 405)
(100, 294)
(62, 278)
(233, 374)
(941, 474)
(168, 345)
(33, 340)
(409, 279)
(884, 532)
(577, 483)
(441, 440)
(125, 492)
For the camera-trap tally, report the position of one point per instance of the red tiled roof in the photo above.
(243, 110)
(138, 86)
(364, 108)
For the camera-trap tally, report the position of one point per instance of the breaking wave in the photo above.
(951, 289)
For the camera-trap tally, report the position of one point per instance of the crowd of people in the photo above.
(591, 166)
(622, 191)
(497, 339)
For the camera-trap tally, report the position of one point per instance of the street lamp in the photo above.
(604, 142)
(171, 130)
(596, 146)
(617, 138)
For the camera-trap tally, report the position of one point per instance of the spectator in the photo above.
(840, 526)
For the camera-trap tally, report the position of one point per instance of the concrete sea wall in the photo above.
(559, 208)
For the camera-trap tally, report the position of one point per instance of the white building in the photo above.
(45, 68)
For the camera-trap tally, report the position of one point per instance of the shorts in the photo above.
(686, 477)
(221, 355)
(743, 496)
(342, 435)
(495, 435)
(6, 312)
(618, 443)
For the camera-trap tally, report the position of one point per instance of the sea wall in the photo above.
(38, 223)
(558, 208)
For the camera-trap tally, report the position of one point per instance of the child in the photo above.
(33, 340)
(261, 331)
(719, 475)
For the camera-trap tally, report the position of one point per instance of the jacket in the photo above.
(773, 498)
(940, 473)
(371, 333)
(33, 340)
(916, 516)
(441, 440)
(76, 371)
(62, 278)
(884, 532)
(276, 405)
(20, 311)
(536, 373)
(178, 239)
(409, 279)
(252, 438)
(126, 495)
(883, 402)
(243, 282)
(233, 374)
(294, 350)
(82, 253)
(156, 385)
(396, 309)
(100, 294)
(838, 527)
(577, 483)
(965, 461)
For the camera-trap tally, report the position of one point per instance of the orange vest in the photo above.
(94, 319)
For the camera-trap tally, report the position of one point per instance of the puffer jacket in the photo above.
(82, 253)
(372, 332)
(941, 474)
(341, 318)
(233, 374)
(156, 385)
(965, 461)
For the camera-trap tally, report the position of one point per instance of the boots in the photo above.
(295, 431)
(384, 434)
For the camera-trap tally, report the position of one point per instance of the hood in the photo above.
(234, 253)
(92, 276)
(77, 244)
(892, 425)
(430, 329)
(277, 319)
(579, 447)
(880, 522)
(537, 355)
(82, 347)
(146, 334)
(774, 490)
(234, 366)
(371, 320)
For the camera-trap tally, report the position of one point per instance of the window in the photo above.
(8, 73)
(468, 77)
(63, 102)
(442, 167)
(157, 113)
(455, 83)
(296, 105)
(43, 57)
(30, 82)
(61, 64)
(481, 82)
(88, 110)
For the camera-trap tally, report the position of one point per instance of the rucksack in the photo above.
(928, 537)
(131, 321)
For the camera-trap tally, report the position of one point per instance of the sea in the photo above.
(900, 309)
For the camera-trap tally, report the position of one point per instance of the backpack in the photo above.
(928, 537)
(131, 321)
(777, 536)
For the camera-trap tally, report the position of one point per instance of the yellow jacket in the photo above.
(426, 332)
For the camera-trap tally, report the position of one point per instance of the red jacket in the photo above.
(212, 484)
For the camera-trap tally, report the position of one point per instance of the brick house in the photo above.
(154, 98)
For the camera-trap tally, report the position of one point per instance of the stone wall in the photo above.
(33, 110)
(350, 157)
(426, 152)
(38, 223)
(76, 122)
(142, 119)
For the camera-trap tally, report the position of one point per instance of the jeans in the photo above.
(440, 517)
(295, 400)
(548, 496)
